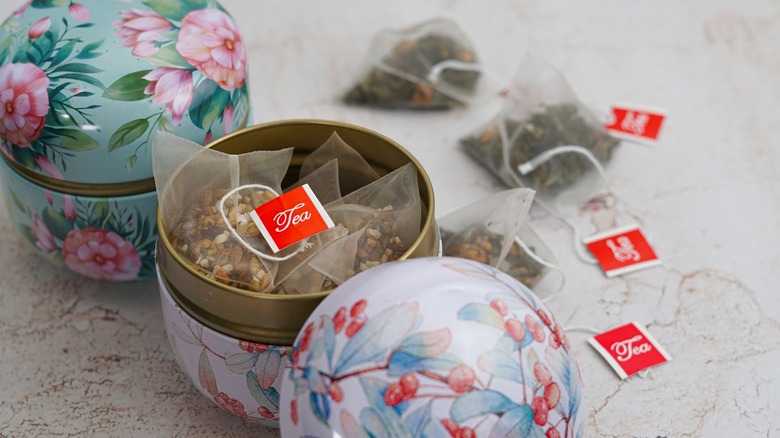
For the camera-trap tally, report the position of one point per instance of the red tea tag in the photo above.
(629, 349)
(622, 250)
(634, 123)
(291, 217)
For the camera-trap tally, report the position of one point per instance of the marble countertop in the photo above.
(82, 358)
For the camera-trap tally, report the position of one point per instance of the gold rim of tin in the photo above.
(82, 189)
(98, 190)
(180, 275)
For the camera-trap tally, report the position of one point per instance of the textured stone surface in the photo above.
(80, 358)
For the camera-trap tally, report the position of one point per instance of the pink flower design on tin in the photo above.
(79, 12)
(142, 30)
(172, 87)
(43, 238)
(101, 255)
(39, 28)
(48, 167)
(24, 102)
(209, 40)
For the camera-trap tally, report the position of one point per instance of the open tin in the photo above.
(267, 322)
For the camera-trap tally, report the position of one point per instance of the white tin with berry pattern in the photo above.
(434, 347)
(241, 377)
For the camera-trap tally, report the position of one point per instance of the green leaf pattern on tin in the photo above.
(258, 365)
(98, 239)
(51, 79)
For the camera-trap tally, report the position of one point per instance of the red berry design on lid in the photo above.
(553, 433)
(394, 394)
(450, 425)
(542, 374)
(515, 329)
(336, 393)
(339, 319)
(465, 432)
(555, 343)
(265, 412)
(461, 378)
(231, 405)
(294, 411)
(531, 323)
(500, 306)
(543, 316)
(355, 327)
(251, 347)
(552, 395)
(409, 383)
(358, 308)
(538, 333)
(539, 406)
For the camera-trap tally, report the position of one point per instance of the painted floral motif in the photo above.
(199, 62)
(241, 377)
(39, 113)
(416, 383)
(210, 41)
(24, 102)
(101, 255)
(52, 90)
(95, 239)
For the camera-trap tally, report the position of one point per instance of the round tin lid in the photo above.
(85, 85)
(432, 347)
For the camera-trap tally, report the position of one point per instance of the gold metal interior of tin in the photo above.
(270, 318)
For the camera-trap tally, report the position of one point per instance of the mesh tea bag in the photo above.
(324, 182)
(494, 231)
(205, 197)
(353, 170)
(543, 138)
(383, 219)
(421, 67)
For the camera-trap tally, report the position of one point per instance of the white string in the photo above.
(533, 163)
(242, 217)
(455, 64)
(546, 264)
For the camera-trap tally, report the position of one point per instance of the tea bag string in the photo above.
(243, 218)
(454, 64)
(546, 264)
(530, 165)
(578, 245)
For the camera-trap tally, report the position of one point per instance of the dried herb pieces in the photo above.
(204, 239)
(479, 244)
(399, 80)
(555, 125)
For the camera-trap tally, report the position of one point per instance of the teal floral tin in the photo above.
(84, 86)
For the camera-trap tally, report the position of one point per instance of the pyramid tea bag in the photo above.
(198, 212)
(421, 67)
(383, 219)
(353, 170)
(495, 231)
(543, 138)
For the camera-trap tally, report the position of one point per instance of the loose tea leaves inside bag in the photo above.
(383, 219)
(192, 182)
(418, 68)
(543, 138)
(494, 231)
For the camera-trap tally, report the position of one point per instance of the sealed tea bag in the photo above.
(383, 219)
(421, 67)
(543, 138)
(324, 182)
(205, 197)
(352, 169)
(495, 231)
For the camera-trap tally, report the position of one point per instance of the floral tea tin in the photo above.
(258, 323)
(433, 347)
(83, 88)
